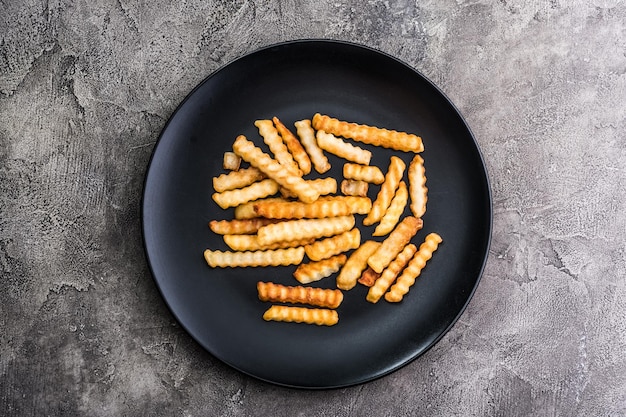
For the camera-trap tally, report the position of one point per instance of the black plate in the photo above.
(219, 307)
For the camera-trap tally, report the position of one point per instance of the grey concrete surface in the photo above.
(85, 88)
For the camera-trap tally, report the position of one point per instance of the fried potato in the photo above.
(387, 191)
(322, 249)
(314, 271)
(323, 186)
(413, 269)
(417, 186)
(367, 173)
(394, 243)
(251, 243)
(231, 161)
(275, 142)
(232, 198)
(390, 273)
(319, 316)
(354, 188)
(238, 227)
(304, 228)
(299, 210)
(372, 135)
(307, 137)
(291, 256)
(368, 277)
(336, 146)
(358, 205)
(319, 297)
(294, 146)
(246, 210)
(274, 170)
(355, 264)
(237, 179)
(393, 213)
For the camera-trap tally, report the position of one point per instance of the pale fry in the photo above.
(355, 264)
(237, 179)
(220, 259)
(322, 249)
(232, 198)
(315, 271)
(305, 228)
(256, 157)
(413, 269)
(275, 142)
(238, 227)
(400, 141)
(294, 146)
(417, 186)
(354, 188)
(394, 243)
(323, 186)
(246, 210)
(387, 191)
(367, 173)
(390, 273)
(319, 316)
(319, 297)
(368, 277)
(231, 161)
(251, 243)
(307, 137)
(336, 146)
(393, 213)
(299, 210)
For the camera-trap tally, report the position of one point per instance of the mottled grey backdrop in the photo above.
(85, 88)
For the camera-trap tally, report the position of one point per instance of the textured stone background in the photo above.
(86, 86)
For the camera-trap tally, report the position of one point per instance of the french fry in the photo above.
(314, 271)
(307, 137)
(237, 179)
(336, 146)
(417, 186)
(354, 188)
(368, 277)
(355, 264)
(219, 259)
(322, 249)
(270, 167)
(238, 227)
(231, 161)
(252, 192)
(394, 243)
(372, 135)
(299, 210)
(246, 210)
(393, 213)
(275, 142)
(387, 191)
(390, 273)
(323, 186)
(251, 243)
(319, 297)
(319, 316)
(304, 228)
(358, 205)
(367, 173)
(413, 269)
(294, 146)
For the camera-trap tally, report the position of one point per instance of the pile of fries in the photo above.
(280, 217)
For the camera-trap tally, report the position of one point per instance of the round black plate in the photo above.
(219, 307)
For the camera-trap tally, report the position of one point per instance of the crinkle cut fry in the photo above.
(417, 186)
(371, 135)
(336, 146)
(355, 265)
(246, 211)
(316, 270)
(387, 191)
(394, 212)
(319, 316)
(355, 188)
(319, 297)
(395, 242)
(325, 248)
(233, 198)
(237, 226)
(367, 173)
(294, 146)
(251, 243)
(390, 273)
(275, 142)
(413, 269)
(298, 210)
(307, 137)
(220, 259)
(237, 179)
(305, 228)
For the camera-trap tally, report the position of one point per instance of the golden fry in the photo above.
(307, 137)
(322, 185)
(275, 142)
(319, 297)
(305, 228)
(393, 213)
(394, 243)
(400, 141)
(246, 210)
(251, 243)
(237, 179)
(342, 149)
(291, 256)
(319, 316)
(299, 210)
(413, 269)
(354, 188)
(387, 191)
(355, 264)
(417, 186)
(368, 277)
(358, 205)
(390, 273)
(238, 227)
(252, 192)
(334, 245)
(294, 146)
(367, 173)
(231, 161)
(314, 271)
